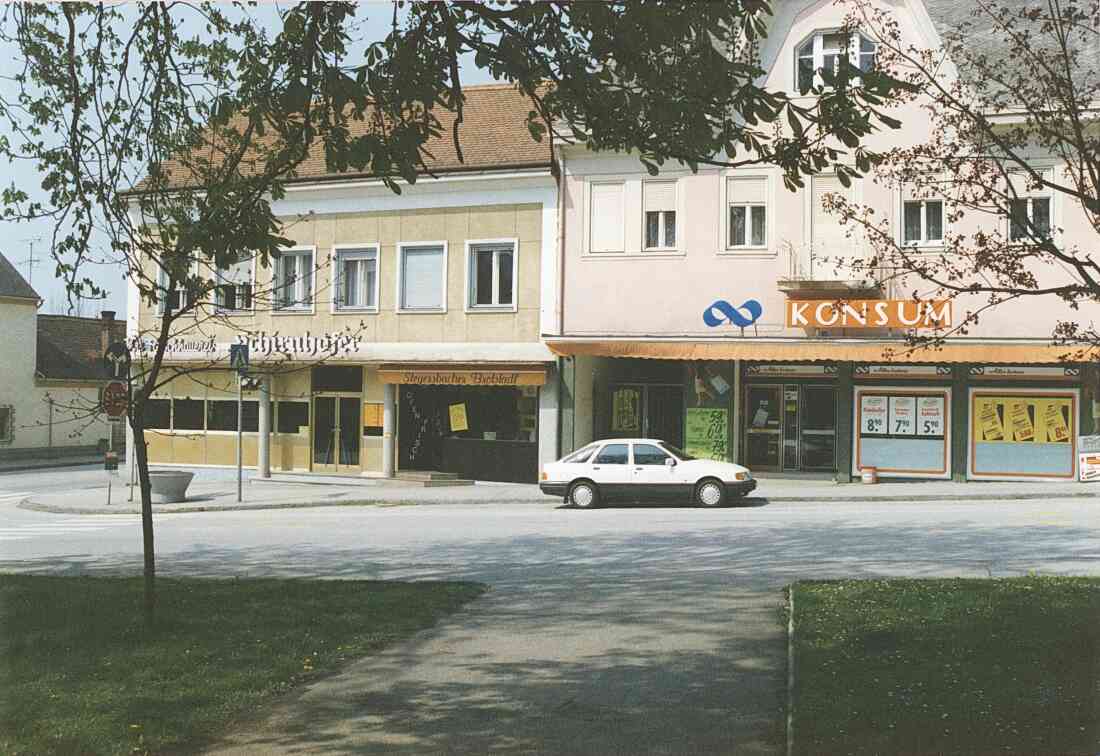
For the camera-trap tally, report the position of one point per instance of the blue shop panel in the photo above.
(1023, 458)
(913, 455)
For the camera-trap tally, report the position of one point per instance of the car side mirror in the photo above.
(670, 462)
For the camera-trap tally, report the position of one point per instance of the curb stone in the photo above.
(790, 668)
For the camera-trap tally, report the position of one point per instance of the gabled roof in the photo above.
(12, 284)
(71, 348)
(493, 136)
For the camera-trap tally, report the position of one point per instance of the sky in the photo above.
(19, 240)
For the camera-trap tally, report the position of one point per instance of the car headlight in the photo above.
(742, 476)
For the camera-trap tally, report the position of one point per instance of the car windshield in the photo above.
(678, 453)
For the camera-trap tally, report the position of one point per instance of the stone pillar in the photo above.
(389, 426)
(959, 419)
(567, 380)
(263, 460)
(548, 418)
(845, 427)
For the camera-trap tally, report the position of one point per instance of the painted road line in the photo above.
(74, 526)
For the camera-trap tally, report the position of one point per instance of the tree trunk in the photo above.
(141, 457)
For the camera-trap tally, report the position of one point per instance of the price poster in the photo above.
(1024, 419)
(872, 415)
(1021, 418)
(930, 415)
(1056, 418)
(458, 417)
(903, 410)
(706, 433)
(990, 427)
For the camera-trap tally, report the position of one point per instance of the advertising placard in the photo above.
(706, 433)
(625, 414)
(1089, 466)
(930, 415)
(458, 417)
(872, 415)
(903, 415)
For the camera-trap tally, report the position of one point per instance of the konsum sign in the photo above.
(868, 313)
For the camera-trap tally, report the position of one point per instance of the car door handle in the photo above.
(595, 467)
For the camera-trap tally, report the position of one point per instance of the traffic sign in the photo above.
(114, 399)
(238, 356)
(117, 360)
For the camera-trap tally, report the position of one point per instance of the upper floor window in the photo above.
(606, 217)
(356, 273)
(747, 210)
(492, 275)
(294, 280)
(233, 286)
(659, 198)
(181, 295)
(1029, 219)
(922, 221)
(422, 277)
(823, 52)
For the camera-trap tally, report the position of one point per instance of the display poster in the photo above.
(903, 410)
(872, 415)
(372, 415)
(1023, 419)
(1089, 465)
(706, 433)
(930, 415)
(625, 416)
(458, 417)
(709, 384)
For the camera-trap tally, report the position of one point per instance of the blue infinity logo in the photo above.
(723, 312)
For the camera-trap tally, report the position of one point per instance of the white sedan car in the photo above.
(637, 469)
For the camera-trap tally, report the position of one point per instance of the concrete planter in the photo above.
(169, 486)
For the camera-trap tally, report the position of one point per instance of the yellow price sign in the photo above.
(457, 414)
(1020, 416)
(989, 420)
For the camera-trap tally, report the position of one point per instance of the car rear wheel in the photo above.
(584, 495)
(710, 492)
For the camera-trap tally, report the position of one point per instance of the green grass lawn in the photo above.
(948, 666)
(79, 675)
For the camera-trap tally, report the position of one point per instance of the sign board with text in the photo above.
(869, 313)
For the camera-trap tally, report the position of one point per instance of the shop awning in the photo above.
(849, 350)
(449, 374)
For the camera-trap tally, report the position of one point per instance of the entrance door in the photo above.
(336, 433)
(763, 430)
(818, 442)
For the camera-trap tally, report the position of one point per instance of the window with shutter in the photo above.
(747, 213)
(294, 280)
(356, 279)
(826, 230)
(422, 278)
(233, 286)
(659, 198)
(606, 218)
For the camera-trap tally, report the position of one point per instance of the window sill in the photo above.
(425, 311)
(292, 311)
(631, 255)
(489, 309)
(234, 313)
(355, 311)
(751, 252)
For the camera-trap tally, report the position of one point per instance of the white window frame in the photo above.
(661, 217)
(252, 293)
(924, 242)
(621, 183)
(7, 435)
(471, 278)
(372, 247)
(162, 285)
(769, 249)
(400, 278)
(297, 308)
(1030, 197)
(818, 38)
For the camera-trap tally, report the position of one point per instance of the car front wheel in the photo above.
(584, 495)
(710, 492)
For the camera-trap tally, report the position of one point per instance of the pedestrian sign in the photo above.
(238, 356)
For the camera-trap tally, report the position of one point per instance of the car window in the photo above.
(612, 454)
(581, 455)
(648, 454)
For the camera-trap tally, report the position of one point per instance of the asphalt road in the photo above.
(624, 630)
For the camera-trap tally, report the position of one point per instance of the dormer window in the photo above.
(823, 52)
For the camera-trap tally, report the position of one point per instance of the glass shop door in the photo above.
(336, 432)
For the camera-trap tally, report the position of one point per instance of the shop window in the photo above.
(659, 198)
(1023, 435)
(347, 378)
(158, 414)
(606, 217)
(233, 289)
(612, 454)
(922, 222)
(294, 280)
(291, 416)
(820, 58)
(648, 454)
(7, 423)
(221, 416)
(903, 433)
(188, 414)
(250, 416)
(492, 275)
(357, 279)
(423, 274)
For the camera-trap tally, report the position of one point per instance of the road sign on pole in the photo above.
(238, 357)
(115, 400)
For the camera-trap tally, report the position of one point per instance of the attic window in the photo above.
(823, 52)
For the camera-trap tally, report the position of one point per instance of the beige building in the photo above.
(51, 376)
(397, 333)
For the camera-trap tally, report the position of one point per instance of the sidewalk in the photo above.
(48, 463)
(214, 492)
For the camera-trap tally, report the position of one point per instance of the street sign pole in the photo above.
(240, 419)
